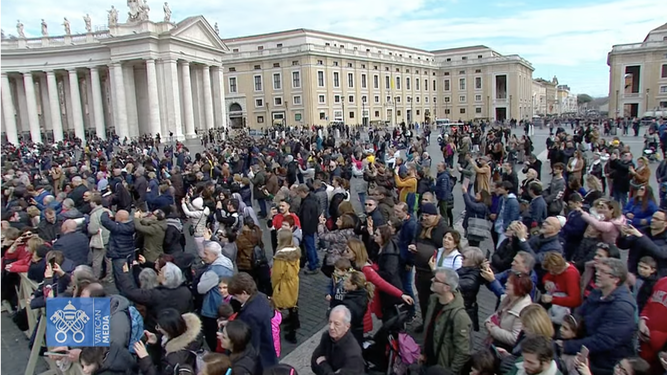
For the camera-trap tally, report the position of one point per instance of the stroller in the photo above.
(391, 350)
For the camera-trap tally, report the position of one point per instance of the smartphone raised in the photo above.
(57, 354)
(584, 351)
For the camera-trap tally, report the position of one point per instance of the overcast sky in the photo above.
(566, 38)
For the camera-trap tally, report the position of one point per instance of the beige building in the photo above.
(313, 77)
(539, 98)
(551, 95)
(638, 75)
(567, 101)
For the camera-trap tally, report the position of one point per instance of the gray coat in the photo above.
(97, 240)
(554, 204)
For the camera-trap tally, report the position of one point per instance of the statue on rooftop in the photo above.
(113, 16)
(68, 30)
(19, 29)
(217, 29)
(138, 10)
(45, 28)
(88, 22)
(167, 12)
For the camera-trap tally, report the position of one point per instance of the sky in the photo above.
(569, 39)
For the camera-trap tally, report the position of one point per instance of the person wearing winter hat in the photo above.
(196, 213)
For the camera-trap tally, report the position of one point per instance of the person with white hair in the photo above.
(217, 267)
(77, 192)
(197, 213)
(69, 210)
(338, 351)
(171, 292)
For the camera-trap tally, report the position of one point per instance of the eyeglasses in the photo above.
(602, 245)
(434, 280)
(620, 369)
(604, 272)
(368, 204)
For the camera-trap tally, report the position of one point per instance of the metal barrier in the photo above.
(37, 321)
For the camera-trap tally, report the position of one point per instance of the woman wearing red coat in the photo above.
(561, 282)
(356, 253)
(653, 326)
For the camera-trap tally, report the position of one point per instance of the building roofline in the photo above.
(456, 49)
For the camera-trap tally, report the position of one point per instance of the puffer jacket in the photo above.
(178, 350)
(285, 277)
(245, 244)
(470, 280)
(336, 242)
(121, 237)
(174, 240)
(389, 268)
(197, 214)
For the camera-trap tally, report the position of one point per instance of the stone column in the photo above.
(98, 106)
(33, 119)
(216, 85)
(54, 106)
(208, 98)
(120, 105)
(77, 111)
(153, 98)
(133, 125)
(44, 103)
(8, 111)
(187, 101)
(223, 102)
(175, 123)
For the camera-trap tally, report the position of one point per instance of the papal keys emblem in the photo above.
(70, 320)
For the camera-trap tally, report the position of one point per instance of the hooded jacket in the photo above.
(179, 350)
(208, 285)
(197, 214)
(285, 277)
(98, 240)
(121, 237)
(449, 337)
(154, 233)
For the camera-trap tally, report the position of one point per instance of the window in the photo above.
(426, 99)
(258, 67)
(464, 58)
(375, 67)
(447, 99)
(462, 111)
(479, 56)
(446, 85)
(447, 111)
(398, 113)
(350, 99)
(327, 44)
(449, 59)
(478, 109)
(664, 71)
(462, 72)
(277, 101)
(388, 99)
(434, 87)
(295, 62)
(351, 114)
(322, 116)
(363, 81)
(478, 83)
(350, 80)
(364, 99)
(386, 68)
(260, 119)
(377, 113)
(276, 65)
(235, 50)
(417, 84)
(258, 83)
(407, 83)
(462, 98)
(478, 70)
(418, 99)
(408, 70)
(462, 83)
(478, 98)
(663, 89)
(320, 62)
(426, 84)
(376, 82)
(232, 84)
(296, 80)
(232, 69)
(297, 117)
(336, 79)
(387, 82)
(320, 99)
(398, 83)
(363, 66)
(335, 63)
(446, 73)
(418, 112)
(349, 65)
(435, 99)
(336, 98)
(320, 78)
(296, 100)
(277, 82)
(377, 98)
(398, 99)
(259, 48)
(398, 70)
(663, 104)
(259, 103)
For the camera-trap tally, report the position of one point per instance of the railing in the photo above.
(61, 40)
(37, 321)
(631, 46)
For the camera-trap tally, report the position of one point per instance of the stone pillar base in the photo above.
(191, 136)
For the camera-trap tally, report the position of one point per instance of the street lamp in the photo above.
(342, 100)
(396, 110)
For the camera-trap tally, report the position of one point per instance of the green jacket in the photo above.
(453, 328)
(153, 231)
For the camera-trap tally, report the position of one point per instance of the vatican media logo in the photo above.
(78, 322)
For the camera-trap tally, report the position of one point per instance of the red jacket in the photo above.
(370, 271)
(278, 220)
(21, 259)
(568, 283)
(654, 313)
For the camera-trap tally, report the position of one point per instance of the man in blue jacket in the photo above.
(522, 263)
(73, 243)
(610, 313)
(443, 188)
(121, 240)
(406, 236)
(539, 246)
(509, 209)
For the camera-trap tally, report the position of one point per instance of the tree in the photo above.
(583, 99)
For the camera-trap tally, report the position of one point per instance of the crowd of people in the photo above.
(202, 255)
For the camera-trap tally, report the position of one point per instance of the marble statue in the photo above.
(217, 30)
(144, 8)
(88, 22)
(2, 34)
(68, 30)
(19, 29)
(138, 10)
(45, 28)
(167, 12)
(113, 16)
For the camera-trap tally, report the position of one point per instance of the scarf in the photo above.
(426, 231)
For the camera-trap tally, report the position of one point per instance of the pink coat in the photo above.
(275, 329)
(609, 230)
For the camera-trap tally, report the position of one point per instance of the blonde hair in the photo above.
(359, 250)
(593, 182)
(33, 243)
(554, 262)
(285, 239)
(535, 320)
(359, 279)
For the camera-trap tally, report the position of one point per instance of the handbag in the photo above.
(259, 256)
(191, 228)
(479, 227)
(556, 312)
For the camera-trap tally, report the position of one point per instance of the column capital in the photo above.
(150, 60)
(50, 73)
(184, 63)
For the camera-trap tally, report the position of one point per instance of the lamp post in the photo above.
(396, 110)
(342, 100)
(488, 107)
(618, 110)
(510, 109)
(646, 100)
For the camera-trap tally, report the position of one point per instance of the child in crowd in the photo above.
(225, 315)
(275, 328)
(222, 286)
(571, 329)
(358, 294)
(647, 276)
(336, 290)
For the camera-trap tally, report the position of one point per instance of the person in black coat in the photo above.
(533, 163)
(174, 240)
(107, 360)
(73, 243)
(470, 280)
(389, 268)
(235, 338)
(356, 300)
(171, 293)
(338, 351)
(502, 258)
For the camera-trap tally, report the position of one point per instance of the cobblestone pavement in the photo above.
(14, 350)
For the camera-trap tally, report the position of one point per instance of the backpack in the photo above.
(199, 363)
(258, 256)
(137, 327)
